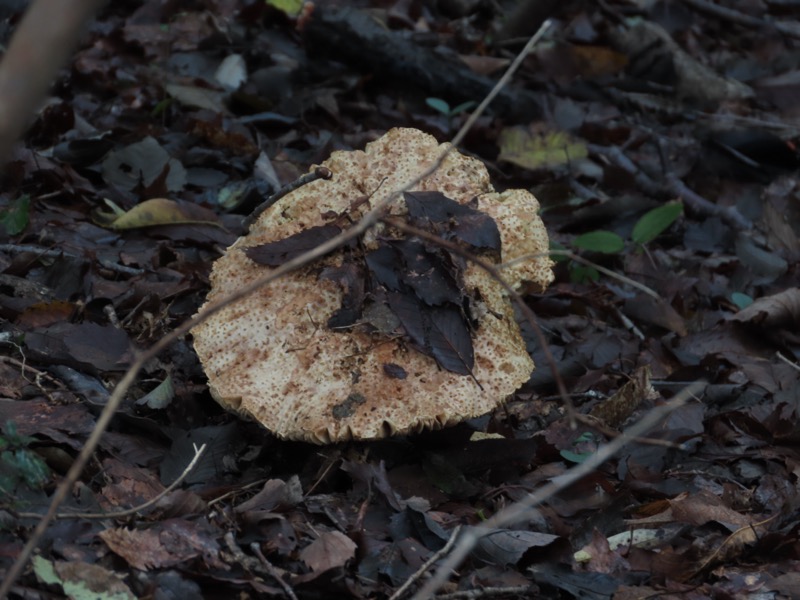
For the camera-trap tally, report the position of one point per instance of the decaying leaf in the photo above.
(142, 164)
(330, 550)
(507, 547)
(160, 396)
(539, 150)
(169, 543)
(81, 580)
(197, 97)
(614, 411)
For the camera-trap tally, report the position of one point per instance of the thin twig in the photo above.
(488, 592)
(610, 432)
(428, 564)
(247, 562)
(729, 214)
(287, 589)
(519, 510)
(24, 366)
(366, 222)
(219, 499)
(502, 83)
(628, 324)
(59, 253)
(584, 261)
(672, 186)
(787, 361)
(198, 452)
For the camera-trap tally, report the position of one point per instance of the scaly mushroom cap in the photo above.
(271, 356)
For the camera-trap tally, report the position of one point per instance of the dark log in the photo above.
(357, 39)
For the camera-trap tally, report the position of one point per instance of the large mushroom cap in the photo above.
(271, 355)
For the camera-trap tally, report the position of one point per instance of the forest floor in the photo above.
(658, 138)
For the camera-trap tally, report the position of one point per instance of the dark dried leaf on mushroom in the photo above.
(450, 341)
(274, 254)
(350, 276)
(459, 221)
(427, 273)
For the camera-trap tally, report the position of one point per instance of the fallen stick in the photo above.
(357, 39)
(41, 44)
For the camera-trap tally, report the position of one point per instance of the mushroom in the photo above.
(273, 355)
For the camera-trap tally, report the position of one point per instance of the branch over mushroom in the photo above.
(391, 334)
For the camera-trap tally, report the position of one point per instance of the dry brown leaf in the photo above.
(702, 507)
(330, 550)
(656, 311)
(170, 543)
(735, 543)
(614, 411)
(484, 65)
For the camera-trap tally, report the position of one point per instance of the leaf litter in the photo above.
(716, 486)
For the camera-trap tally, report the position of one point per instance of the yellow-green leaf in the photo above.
(290, 7)
(156, 211)
(532, 150)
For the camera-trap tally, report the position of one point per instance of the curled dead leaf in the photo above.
(772, 311)
(156, 211)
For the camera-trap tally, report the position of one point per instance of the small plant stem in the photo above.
(318, 173)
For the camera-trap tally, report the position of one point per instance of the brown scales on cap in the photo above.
(272, 357)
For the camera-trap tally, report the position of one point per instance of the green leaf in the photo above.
(8, 433)
(15, 218)
(606, 242)
(29, 467)
(583, 274)
(574, 456)
(438, 105)
(533, 151)
(653, 222)
(741, 300)
(468, 105)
